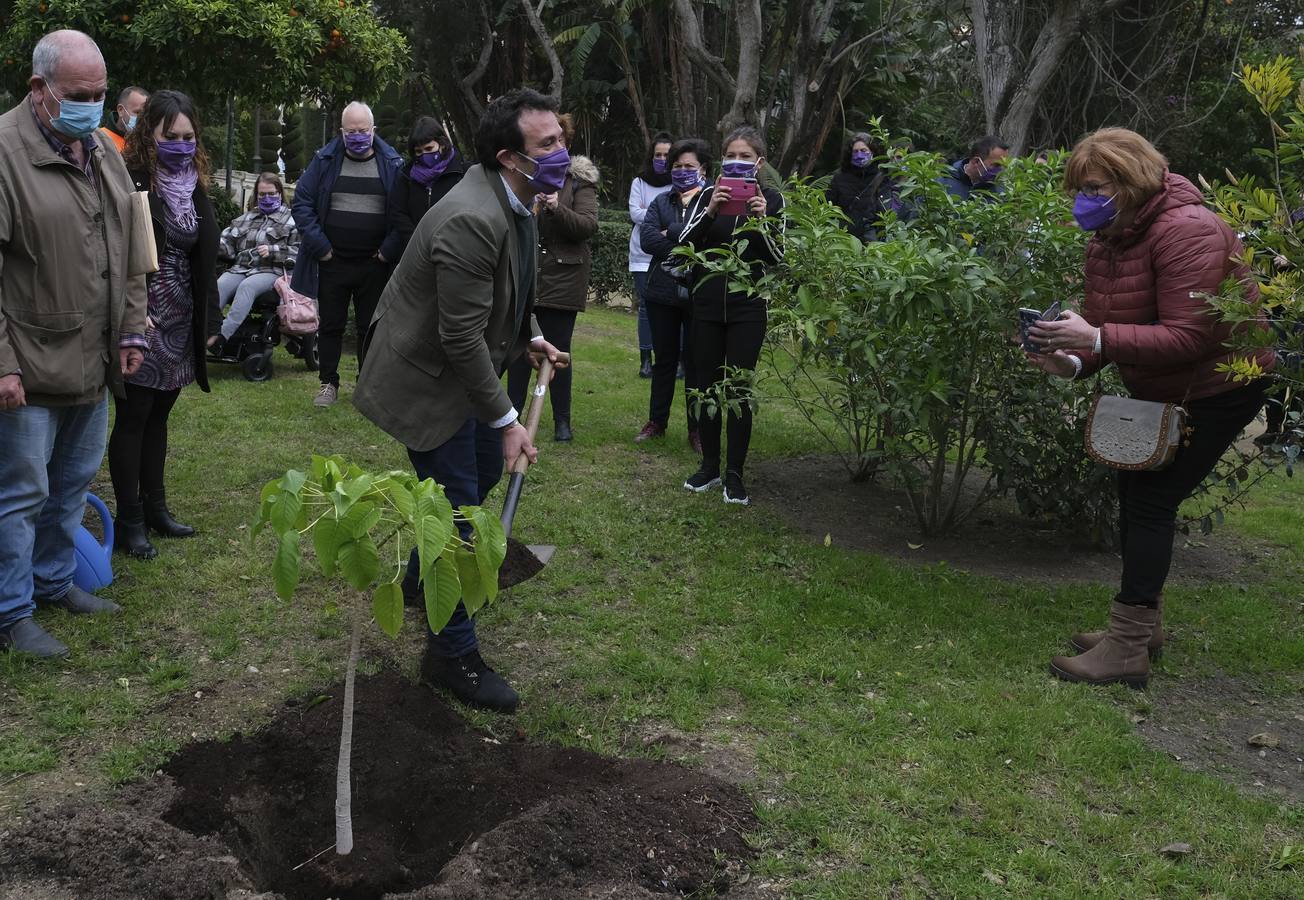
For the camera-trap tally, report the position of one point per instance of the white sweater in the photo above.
(641, 195)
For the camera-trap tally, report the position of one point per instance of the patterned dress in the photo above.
(170, 363)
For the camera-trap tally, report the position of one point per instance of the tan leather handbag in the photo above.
(1135, 435)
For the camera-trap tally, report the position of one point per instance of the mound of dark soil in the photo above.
(440, 811)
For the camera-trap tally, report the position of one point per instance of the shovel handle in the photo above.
(535, 408)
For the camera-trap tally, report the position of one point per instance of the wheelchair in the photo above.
(253, 343)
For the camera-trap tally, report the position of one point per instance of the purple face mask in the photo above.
(860, 158)
(1093, 213)
(175, 156)
(550, 171)
(660, 166)
(738, 168)
(269, 203)
(685, 179)
(358, 144)
(429, 166)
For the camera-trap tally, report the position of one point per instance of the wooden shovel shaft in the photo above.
(517, 469)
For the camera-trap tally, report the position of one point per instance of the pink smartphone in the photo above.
(740, 191)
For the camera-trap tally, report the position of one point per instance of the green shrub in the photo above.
(610, 275)
(903, 353)
(224, 205)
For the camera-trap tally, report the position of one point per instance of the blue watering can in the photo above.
(94, 569)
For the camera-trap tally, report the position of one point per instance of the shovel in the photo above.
(542, 553)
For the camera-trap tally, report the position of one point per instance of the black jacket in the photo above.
(667, 213)
(712, 300)
(206, 317)
(409, 201)
(861, 195)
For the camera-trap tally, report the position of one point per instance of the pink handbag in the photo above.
(297, 312)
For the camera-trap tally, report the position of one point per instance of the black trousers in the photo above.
(138, 446)
(1148, 501)
(558, 327)
(717, 345)
(345, 282)
(667, 324)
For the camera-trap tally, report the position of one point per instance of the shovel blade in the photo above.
(542, 552)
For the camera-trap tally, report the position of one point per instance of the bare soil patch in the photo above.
(814, 495)
(441, 811)
(1206, 723)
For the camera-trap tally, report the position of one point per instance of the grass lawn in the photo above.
(895, 725)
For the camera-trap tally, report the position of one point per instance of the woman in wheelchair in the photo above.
(259, 247)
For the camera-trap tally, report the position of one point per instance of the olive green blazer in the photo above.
(445, 328)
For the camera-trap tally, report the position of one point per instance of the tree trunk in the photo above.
(343, 779)
(549, 50)
(741, 87)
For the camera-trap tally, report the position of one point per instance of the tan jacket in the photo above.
(445, 328)
(65, 297)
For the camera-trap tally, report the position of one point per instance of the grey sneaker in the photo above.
(327, 396)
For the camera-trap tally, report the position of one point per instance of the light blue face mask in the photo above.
(76, 118)
(131, 123)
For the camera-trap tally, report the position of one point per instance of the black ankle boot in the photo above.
(645, 364)
(562, 431)
(129, 534)
(158, 518)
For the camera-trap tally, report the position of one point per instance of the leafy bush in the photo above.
(903, 353)
(224, 205)
(610, 259)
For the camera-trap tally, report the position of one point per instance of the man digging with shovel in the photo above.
(455, 314)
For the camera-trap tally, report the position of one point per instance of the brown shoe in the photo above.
(1120, 655)
(650, 430)
(1085, 640)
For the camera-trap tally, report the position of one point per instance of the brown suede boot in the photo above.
(1120, 655)
(1085, 640)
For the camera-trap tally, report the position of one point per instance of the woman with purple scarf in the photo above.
(167, 160)
(432, 170)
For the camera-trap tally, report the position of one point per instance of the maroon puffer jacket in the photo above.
(1143, 290)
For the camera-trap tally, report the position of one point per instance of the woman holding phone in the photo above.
(1157, 252)
(729, 326)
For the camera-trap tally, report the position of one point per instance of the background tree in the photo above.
(292, 142)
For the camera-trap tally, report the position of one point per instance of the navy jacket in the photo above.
(957, 184)
(667, 213)
(312, 200)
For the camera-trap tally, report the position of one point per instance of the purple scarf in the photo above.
(425, 170)
(177, 190)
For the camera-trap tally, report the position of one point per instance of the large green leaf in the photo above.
(360, 518)
(442, 590)
(327, 536)
(359, 563)
(403, 500)
(432, 534)
(432, 502)
(490, 546)
(285, 568)
(286, 512)
(387, 607)
(468, 572)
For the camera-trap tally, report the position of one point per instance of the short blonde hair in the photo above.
(1132, 163)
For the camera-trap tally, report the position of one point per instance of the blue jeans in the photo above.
(644, 329)
(48, 456)
(468, 465)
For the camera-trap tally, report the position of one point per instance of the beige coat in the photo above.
(65, 296)
(445, 328)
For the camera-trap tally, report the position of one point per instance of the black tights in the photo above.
(138, 445)
(715, 346)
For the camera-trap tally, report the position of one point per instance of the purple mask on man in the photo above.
(550, 171)
(358, 144)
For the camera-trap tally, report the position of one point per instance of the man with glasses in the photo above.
(341, 205)
(72, 322)
(976, 174)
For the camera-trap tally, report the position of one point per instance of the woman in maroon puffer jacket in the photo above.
(1157, 252)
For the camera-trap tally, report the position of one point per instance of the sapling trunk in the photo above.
(343, 781)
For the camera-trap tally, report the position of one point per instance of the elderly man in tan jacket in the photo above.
(72, 321)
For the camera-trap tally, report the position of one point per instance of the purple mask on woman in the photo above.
(1093, 213)
(860, 158)
(550, 171)
(358, 144)
(738, 168)
(269, 203)
(660, 165)
(429, 166)
(685, 179)
(175, 156)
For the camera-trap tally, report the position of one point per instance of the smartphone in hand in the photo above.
(741, 190)
(1029, 316)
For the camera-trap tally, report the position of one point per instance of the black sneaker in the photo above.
(703, 479)
(471, 681)
(734, 489)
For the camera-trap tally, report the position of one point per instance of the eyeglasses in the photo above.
(1092, 190)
